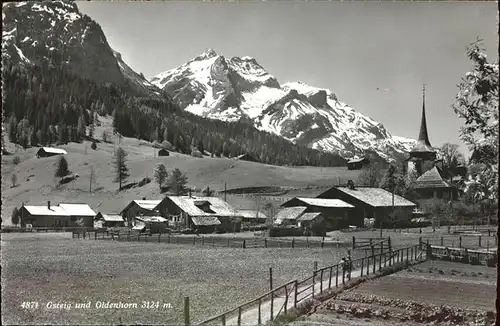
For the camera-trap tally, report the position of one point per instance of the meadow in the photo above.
(54, 268)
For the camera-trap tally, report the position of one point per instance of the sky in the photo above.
(374, 56)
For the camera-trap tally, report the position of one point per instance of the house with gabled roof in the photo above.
(50, 151)
(108, 220)
(357, 163)
(432, 185)
(370, 202)
(205, 214)
(139, 208)
(335, 212)
(62, 215)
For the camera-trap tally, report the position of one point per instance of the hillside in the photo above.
(37, 182)
(239, 88)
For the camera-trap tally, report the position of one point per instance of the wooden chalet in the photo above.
(370, 203)
(139, 208)
(108, 220)
(204, 214)
(62, 215)
(357, 163)
(49, 151)
(334, 212)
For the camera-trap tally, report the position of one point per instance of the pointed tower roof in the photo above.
(423, 143)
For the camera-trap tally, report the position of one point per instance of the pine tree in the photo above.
(62, 169)
(160, 174)
(81, 128)
(177, 183)
(121, 169)
(15, 218)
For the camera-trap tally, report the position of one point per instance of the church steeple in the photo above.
(423, 137)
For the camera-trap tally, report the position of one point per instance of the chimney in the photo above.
(48, 204)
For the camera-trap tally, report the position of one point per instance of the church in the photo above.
(433, 181)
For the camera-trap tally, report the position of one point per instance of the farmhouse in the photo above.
(63, 215)
(252, 216)
(151, 224)
(108, 220)
(49, 151)
(431, 185)
(205, 214)
(139, 208)
(307, 223)
(370, 203)
(357, 163)
(163, 152)
(334, 212)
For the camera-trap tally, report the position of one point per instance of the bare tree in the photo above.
(370, 175)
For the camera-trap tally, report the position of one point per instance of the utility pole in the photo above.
(91, 177)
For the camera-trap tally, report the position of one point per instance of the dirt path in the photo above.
(251, 316)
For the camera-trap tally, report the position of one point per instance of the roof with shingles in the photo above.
(53, 150)
(308, 216)
(289, 213)
(147, 204)
(323, 202)
(357, 160)
(78, 209)
(217, 205)
(248, 213)
(376, 197)
(431, 179)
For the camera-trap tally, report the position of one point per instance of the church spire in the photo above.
(423, 137)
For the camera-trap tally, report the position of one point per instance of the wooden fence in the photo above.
(209, 241)
(280, 299)
(468, 241)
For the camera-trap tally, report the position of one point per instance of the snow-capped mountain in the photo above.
(216, 87)
(55, 32)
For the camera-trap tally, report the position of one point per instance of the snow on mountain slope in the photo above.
(57, 33)
(213, 86)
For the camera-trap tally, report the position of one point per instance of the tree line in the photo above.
(47, 104)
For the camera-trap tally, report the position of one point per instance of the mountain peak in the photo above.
(207, 54)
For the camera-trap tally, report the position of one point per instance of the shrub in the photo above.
(16, 160)
(196, 153)
(93, 146)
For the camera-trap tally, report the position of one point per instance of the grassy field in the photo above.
(55, 268)
(36, 181)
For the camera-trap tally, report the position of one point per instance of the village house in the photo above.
(431, 185)
(252, 217)
(49, 151)
(63, 215)
(150, 224)
(335, 212)
(204, 214)
(288, 215)
(108, 220)
(311, 223)
(369, 202)
(357, 163)
(139, 208)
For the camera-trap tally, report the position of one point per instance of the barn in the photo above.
(357, 163)
(334, 212)
(62, 215)
(205, 214)
(108, 220)
(163, 152)
(49, 151)
(139, 208)
(370, 203)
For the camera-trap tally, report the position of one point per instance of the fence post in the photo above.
(373, 249)
(202, 240)
(128, 235)
(286, 298)
(239, 316)
(362, 266)
(223, 319)
(441, 241)
(420, 243)
(265, 242)
(244, 243)
(330, 278)
(259, 320)
(307, 242)
(271, 288)
(295, 295)
(228, 242)
(374, 263)
(315, 268)
(293, 242)
(380, 262)
(407, 255)
(186, 311)
(353, 242)
(112, 235)
(194, 239)
(460, 242)
(385, 259)
(337, 277)
(389, 243)
(159, 235)
(95, 236)
(480, 241)
(321, 281)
